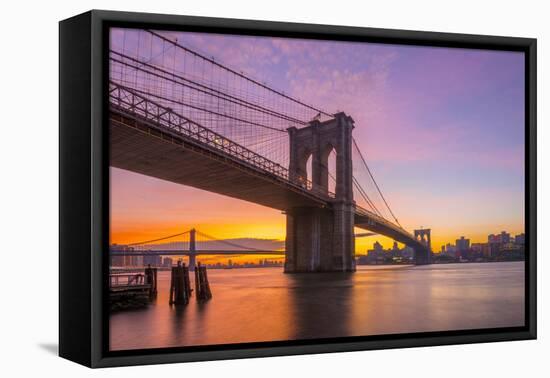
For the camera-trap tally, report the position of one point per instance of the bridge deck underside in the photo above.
(395, 233)
(142, 148)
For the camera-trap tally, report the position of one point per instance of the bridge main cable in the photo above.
(235, 245)
(237, 73)
(166, 75)
(159, 239)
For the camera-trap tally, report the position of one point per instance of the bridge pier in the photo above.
(321, 239)
(343, 257)
(422, 256)
(423, 253)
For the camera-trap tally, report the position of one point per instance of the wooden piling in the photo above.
(151, 279)
(206, 284)
(202, 287)
(187, 284)
(155, 280)
(180, 289)
(172, 286)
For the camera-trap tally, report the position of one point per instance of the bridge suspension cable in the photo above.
(207, 92)
(160, 75)
(364, 162)
(159, 239)
(226, 242)
(365, 196)
(193, 85)
(175, 43)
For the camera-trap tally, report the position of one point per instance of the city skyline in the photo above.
(442, 130)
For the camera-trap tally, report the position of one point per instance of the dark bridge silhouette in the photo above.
(201, 131)
(191, 243)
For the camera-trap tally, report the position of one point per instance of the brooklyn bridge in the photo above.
(187, 118)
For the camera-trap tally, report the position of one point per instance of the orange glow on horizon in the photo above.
(161, 208)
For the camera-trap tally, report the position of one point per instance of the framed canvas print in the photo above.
(233, 188)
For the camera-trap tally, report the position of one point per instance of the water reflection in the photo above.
(266, 305)
(317, 302)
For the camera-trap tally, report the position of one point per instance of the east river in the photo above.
(264, 304)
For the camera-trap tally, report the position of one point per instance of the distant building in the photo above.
(505, 237)
(376, 254)
(167, 262)
(502, 238)
(127, 260)
(450, 250)
(407, 252)
(477, 247)
(153, 260)
(520, 239)
(462, 244)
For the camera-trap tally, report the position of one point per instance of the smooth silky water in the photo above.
(264, 304)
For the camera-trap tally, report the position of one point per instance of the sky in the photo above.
(441, 128)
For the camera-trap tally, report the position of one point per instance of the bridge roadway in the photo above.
(150, 139)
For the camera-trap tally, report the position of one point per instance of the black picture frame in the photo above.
(84, 187)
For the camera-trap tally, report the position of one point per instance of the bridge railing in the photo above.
(132, 101)
(126, 279)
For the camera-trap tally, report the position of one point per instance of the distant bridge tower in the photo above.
(192, 249)
(322, 239)
(423, 255)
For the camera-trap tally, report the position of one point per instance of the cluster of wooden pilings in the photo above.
(202, 286)
(180, 286)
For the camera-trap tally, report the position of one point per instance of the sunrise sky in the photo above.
(442, 130)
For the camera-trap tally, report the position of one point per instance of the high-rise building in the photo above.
(504, 237)
(462, 244)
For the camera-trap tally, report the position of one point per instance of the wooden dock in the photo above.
(132, 290)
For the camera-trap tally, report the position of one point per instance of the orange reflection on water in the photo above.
(263, 304)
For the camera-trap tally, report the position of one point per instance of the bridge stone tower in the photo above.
(423, 255)
(321, 238)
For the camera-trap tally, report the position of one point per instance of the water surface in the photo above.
(264, 304)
